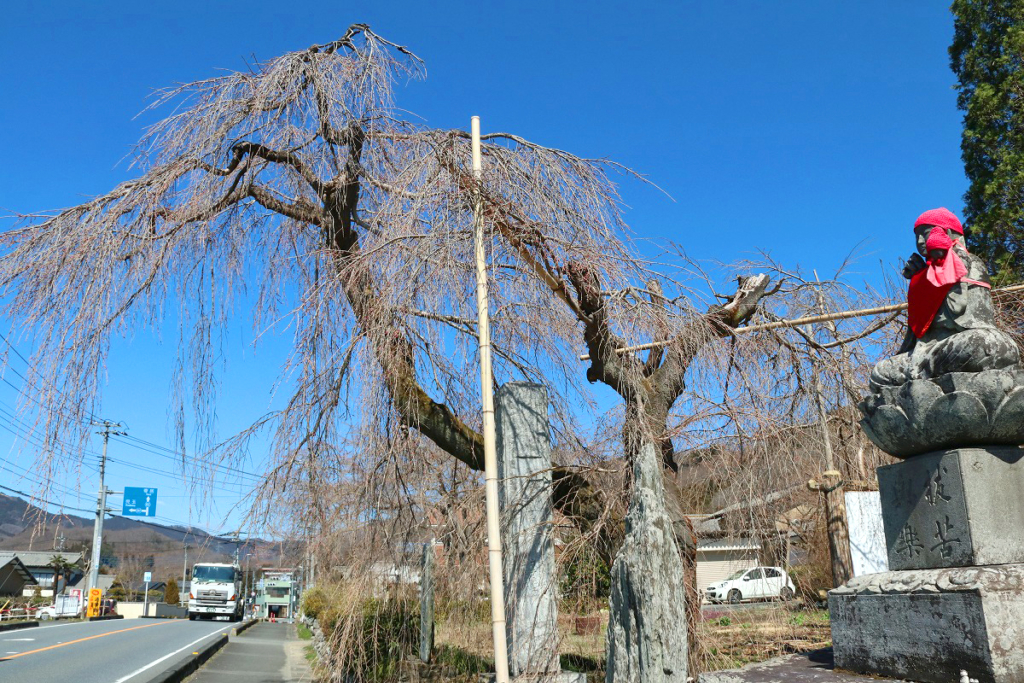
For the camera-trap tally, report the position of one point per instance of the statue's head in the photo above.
(936, 218)
(938, 243)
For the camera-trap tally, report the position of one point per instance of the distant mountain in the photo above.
(24, 526)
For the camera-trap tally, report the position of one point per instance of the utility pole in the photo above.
(836, 524)
(247, 585)
(101, 500)
(184, 569)
(831, 487)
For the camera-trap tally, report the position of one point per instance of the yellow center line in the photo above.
(80, 640)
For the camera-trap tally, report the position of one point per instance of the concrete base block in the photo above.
(957, 508)
(561, 677)
(928, 625)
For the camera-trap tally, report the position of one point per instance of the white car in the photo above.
(752, 584)
(46, 613)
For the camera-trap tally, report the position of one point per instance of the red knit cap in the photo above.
(941, 217)
(938, 239)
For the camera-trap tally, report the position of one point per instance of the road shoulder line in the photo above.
(187, 666)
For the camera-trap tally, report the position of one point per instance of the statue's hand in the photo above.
(913, 265)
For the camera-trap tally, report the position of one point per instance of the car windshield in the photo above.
(737, 575)
(208, 574)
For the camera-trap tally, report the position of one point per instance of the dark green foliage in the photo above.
(986, 54)
(457, 661)
(586, 579)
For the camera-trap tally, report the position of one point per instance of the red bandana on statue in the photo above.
(929, 286)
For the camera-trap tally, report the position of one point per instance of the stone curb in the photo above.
(107, 618)
(243, 627)
(191, 664)
(15, 625)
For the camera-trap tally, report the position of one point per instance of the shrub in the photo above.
(371, 641)
(171, 594)
(585, 581)
(314, 602)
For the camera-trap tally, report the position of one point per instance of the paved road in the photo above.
(121, 651)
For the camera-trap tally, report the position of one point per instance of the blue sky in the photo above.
(802, 128)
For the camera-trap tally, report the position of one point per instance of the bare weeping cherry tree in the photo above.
(298, 184)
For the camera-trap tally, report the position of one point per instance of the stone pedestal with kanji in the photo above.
(954, 529)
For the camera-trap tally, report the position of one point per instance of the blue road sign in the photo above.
(139, 502)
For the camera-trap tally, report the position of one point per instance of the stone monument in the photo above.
(951, 405)
(531, 583)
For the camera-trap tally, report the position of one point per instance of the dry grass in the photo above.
(732, 638)
(737, 637)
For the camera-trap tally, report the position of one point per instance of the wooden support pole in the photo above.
(490, 439)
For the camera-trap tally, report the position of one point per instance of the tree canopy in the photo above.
(986, 55)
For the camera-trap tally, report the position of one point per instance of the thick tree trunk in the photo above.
(644, 427)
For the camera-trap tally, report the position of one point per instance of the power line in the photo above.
(171, 454)
(30, 497)
(91, 416)
(173, 476)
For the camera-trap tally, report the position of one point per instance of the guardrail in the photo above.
(17, 613)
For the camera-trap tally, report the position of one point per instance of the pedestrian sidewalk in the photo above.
(265, 653)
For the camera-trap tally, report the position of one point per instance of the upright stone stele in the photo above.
(647, 621)
(427, 603)
(531, 582)
(951, 403)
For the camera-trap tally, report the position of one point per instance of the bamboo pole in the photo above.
(490, 445)
(795, 322)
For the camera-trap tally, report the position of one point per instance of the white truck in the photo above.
(63, 606)
(216, 591)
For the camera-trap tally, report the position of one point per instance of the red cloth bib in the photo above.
(929, 287)
(924, 298)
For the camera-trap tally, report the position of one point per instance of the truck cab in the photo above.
(215, 592)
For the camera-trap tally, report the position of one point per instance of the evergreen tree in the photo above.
(171, 596)
(986, 54)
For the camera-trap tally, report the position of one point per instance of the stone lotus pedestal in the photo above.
(954, 528)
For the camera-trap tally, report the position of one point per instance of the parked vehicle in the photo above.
(216, 591)
(759, 583)
(64, 606)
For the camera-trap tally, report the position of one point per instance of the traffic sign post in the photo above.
(147, 577)
(139, 502)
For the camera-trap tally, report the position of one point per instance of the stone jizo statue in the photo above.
(956, 380)
(952, 324)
